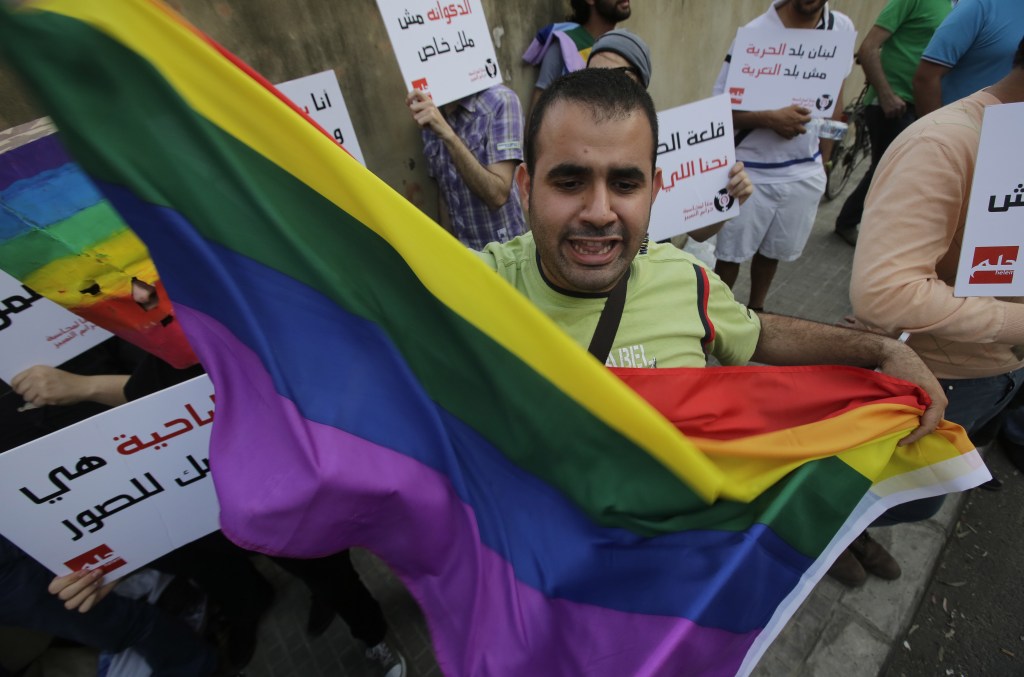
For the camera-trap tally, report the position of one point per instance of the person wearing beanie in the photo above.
(622, 49)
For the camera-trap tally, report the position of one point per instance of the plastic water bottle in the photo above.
(827, 128)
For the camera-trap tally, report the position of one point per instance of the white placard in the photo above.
(695, 154)
(773, 68)
(445, 50)
(320, 97)
(990, 262)
(35, 330)
(116, 490)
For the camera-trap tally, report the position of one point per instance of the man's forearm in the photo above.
(791, 341)
(787, 341)
(928, 87)
(871, 62)
(752, 119)
(482, 182)
(106, 389)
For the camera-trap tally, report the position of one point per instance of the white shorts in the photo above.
(775, 222)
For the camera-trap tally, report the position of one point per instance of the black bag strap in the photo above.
(608, 323)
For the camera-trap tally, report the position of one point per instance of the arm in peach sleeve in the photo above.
(917, 200)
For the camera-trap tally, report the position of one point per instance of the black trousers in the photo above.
(882, 131)
(334, 581)
(224, 571)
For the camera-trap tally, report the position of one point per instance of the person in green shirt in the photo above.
(889, 56)
(587, 185)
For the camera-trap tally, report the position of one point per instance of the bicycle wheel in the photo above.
(847, 156)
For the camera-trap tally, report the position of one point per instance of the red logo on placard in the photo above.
(421, 85)
(736, 94)
(100, 557)
(993, 265)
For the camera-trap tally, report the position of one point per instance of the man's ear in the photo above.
(657, 184)
(523, 185)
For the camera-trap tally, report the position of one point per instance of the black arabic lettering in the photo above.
(202, 470)
(424, 55)
(1015, 199)
(15, 304)
(664, 147)
(324, 103)
(74, 530)
(93, 519)
(85, 465)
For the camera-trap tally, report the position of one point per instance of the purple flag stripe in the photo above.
(416, 518)
(31, 159)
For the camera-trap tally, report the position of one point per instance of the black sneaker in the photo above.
(993, 484)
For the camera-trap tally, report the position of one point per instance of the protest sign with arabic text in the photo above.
(117, 490)
(445, 50)
(695, 153)
(990, 261)
(772, 68)
(320, 97)
(35, 330)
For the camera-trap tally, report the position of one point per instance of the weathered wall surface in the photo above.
(286, 40)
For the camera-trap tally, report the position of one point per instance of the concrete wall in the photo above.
(288, 39)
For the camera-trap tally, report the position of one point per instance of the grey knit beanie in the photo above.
(630, 47)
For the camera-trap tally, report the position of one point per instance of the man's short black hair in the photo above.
(607, 92)
(1018, 58)
(580, 11)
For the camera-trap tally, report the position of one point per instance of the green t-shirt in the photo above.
(668, 320)
(911, 23)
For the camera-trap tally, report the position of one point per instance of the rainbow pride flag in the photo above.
(378, 386)
(570, 38)
(62, 239)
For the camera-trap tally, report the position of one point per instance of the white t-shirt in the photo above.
(768, 157)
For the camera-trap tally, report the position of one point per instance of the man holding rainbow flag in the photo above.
(547, 518)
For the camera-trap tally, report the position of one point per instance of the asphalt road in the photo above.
(971, 619)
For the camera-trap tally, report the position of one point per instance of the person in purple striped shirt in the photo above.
(472, 147)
